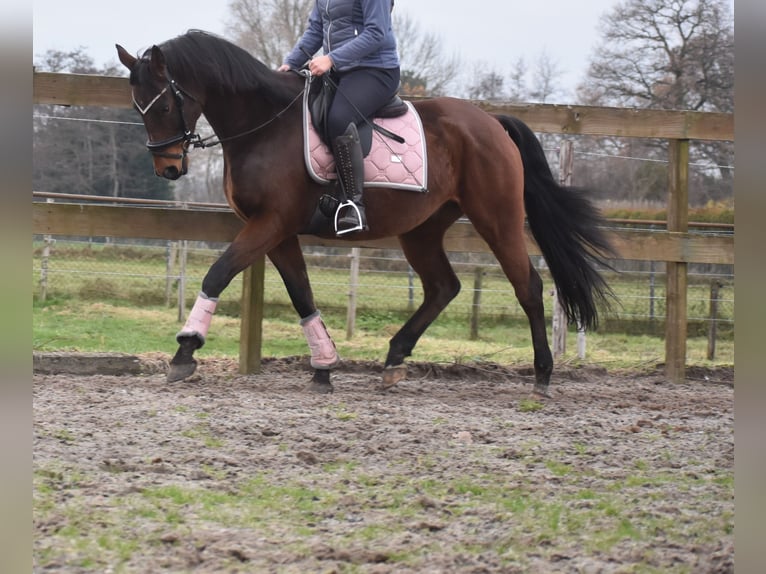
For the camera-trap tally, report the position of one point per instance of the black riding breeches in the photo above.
(360, 93)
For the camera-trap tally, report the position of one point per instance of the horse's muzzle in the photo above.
(172, 172)
(170, 164)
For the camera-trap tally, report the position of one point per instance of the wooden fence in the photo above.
(676, 246)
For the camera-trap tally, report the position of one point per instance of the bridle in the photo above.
(187, 137)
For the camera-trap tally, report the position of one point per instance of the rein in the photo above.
(200, 142)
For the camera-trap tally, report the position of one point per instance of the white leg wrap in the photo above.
(198, 321)
(324, 355)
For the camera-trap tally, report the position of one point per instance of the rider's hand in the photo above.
(283, 68)
(320, 65)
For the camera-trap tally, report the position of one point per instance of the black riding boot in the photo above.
(349, 164)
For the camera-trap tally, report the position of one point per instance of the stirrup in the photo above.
(358, 227)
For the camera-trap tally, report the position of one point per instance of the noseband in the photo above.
(187, 137)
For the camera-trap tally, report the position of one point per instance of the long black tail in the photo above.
(567, 228)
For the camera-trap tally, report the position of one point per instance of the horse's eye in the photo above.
(165, 108)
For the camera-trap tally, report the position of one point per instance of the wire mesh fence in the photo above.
(162, 273)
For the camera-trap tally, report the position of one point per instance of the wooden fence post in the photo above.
(677, 272)
(478, 274)
(713, 319)
(46, 255)
(652, 280)
(47, 242)
(352, 293)
(581, 342)
(559, 327)
(251, 320)
(410, 288)
(171, 252)
(182, 254)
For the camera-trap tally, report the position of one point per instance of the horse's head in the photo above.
(168, 111)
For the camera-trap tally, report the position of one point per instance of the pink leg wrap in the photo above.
(198, 321)
(323, 352)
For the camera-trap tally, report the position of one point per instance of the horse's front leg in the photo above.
(287, 257)
(246, 248)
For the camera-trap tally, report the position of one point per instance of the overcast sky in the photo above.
(491, 32)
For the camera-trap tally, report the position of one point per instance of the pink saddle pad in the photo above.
(389, 164)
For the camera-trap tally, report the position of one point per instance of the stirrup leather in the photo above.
(359, 225)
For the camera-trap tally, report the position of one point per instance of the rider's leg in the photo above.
(360, 93)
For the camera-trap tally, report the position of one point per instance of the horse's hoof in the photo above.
(541, 390)
(320, 382)
(394, 374)
(181, 371)
(321, 388)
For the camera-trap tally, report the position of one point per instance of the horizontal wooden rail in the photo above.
(201, 225)
(107, 200)
(620, 122)
(113, 91)
(80, 90)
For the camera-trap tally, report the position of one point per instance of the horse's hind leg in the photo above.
(425, 253)
(512, 255)
(531, 300)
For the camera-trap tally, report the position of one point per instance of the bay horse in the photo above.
(491, 169)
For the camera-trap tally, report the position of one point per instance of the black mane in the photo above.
(204, 59)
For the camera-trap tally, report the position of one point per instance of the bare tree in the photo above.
(673, 54)
(545, 75)
(76, 62)
(518, 91)
(666, 54)
(424, 65)
(486, 85)
(268, 29)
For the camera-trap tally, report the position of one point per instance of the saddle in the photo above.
(394, 108)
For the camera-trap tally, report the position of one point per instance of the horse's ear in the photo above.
(127, 60)
(157, 63)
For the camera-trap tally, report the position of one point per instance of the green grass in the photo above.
(201, 433)
(530, 406)
(83, 326)
(101, 327)
(108, 298)
(137, 275)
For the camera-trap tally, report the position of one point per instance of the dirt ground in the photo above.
(459, 468)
